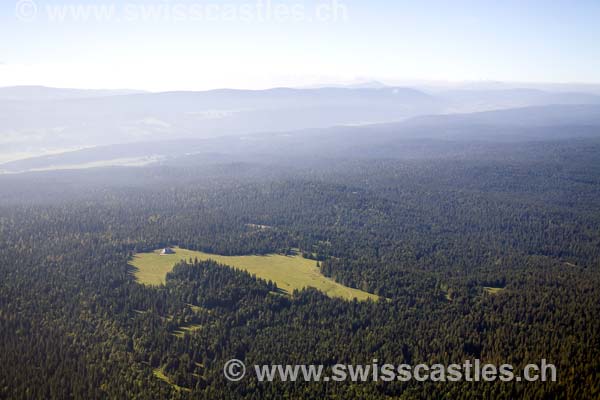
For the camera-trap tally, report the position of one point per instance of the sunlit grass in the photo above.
(159, 373)
(492, 290)
(288, 272)
(182, 330)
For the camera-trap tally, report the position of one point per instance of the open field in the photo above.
(493, 290)
(288, 272)
(159, 373)
(182, 330)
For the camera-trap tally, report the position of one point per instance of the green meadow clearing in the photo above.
(492, 290)
(182, 330)
(159, 373)
(288, 272)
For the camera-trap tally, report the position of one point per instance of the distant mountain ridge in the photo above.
(81, 119)
(39, 120)
(416, 137)
(37, 93)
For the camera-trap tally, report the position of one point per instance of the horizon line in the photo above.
(389, 83)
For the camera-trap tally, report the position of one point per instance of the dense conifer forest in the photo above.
(428, 236)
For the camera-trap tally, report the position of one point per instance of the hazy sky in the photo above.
(164, 45)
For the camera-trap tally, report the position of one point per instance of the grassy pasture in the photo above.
(182, 330)
(158, 373)
(288, 272)
(492, 290)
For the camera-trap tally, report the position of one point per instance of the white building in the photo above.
(167, 250)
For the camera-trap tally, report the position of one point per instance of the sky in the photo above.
(194, 45)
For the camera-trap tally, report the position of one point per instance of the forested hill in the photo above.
(485, 135)
(496, 258)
